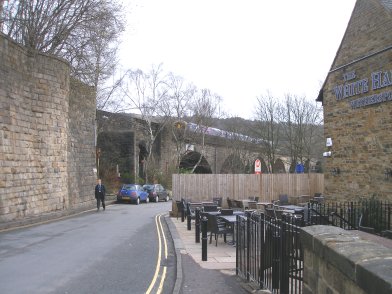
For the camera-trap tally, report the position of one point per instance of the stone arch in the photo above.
(233, 165)
(189, 160)
(278, 167)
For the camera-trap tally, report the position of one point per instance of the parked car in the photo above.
(156, 192)
(132, 193)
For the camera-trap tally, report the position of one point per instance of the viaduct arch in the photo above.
(126, 149)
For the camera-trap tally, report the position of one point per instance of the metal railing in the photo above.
(352, 215)
(269, 252)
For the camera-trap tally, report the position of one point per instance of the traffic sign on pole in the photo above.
(257, 166)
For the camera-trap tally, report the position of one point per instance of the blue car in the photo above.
(132, 193)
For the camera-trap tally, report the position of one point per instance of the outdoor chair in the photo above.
(318, 197)
(229, 202)
(269, 212)
(263, 206)
(283, 199)
(239, 204)
(180, 207)
(278, 213)
(217, 201)
(218, 227)
(191, 209)
(252, 205)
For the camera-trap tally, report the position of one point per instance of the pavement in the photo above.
(216, 275)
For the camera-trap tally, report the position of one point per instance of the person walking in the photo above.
(100, 192)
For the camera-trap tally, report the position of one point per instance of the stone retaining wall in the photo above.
(47, 151)
(339, 261)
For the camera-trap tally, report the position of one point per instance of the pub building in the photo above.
(357, 104)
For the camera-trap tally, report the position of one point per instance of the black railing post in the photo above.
(204, 239)
(284, 259)
(197, 225)
(182, 211)
(189, 221)
(262, 252)
(276, 249)
(248, 216)
(237, 227)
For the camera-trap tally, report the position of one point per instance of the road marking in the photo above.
(160, 232)
(164, 268)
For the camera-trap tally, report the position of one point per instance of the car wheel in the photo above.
(167, 198)
(137, 201)
(147, 199)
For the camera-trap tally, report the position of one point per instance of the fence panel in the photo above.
(199, 187)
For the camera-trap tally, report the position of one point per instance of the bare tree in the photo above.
(84, 32)
(148, 94)
(314, 137)
(206, 107)
(268, 114)
(301, 119)
(1, 13)
(181, 97)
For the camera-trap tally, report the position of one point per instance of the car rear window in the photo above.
(129, 187)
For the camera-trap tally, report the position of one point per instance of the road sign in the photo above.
(257, 166)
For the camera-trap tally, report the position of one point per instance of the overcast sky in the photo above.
(239, 49)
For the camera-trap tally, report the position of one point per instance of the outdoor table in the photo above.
(211, 213)
(238, 212)
(299, 199)
(319, 199)
(229, 218)
(245, 203)
(235, 213)
(262, 205)
(208, 203)
(296, 208)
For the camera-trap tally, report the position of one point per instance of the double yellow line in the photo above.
(161, 239)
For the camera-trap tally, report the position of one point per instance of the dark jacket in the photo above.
(100, 194)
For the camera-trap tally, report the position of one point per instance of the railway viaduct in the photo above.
(121, 145)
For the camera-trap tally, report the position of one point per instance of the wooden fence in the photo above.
(200, 187)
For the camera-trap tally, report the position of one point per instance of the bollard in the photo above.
(197, 225)
(189, 220)
(183, 212)
(204, 239)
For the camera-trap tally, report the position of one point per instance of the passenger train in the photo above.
(217, 132)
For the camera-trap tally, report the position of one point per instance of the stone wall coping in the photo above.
(33, 51)
(364, 261)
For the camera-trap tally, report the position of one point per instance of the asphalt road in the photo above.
(112, 251)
